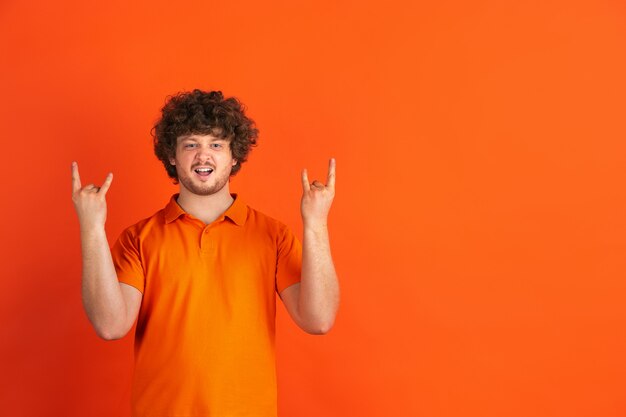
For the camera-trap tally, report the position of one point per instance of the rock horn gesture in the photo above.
(317, 198)
(89, 201)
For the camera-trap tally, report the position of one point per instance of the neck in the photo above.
(205, 207)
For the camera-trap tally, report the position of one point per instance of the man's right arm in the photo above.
(110, 306)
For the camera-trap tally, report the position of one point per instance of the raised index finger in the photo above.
(75, 178)
(107, 184)
(305, 181)
(330, 183)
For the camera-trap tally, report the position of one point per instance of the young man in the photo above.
(200, 276)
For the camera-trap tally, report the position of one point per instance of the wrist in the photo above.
(315, 225)
(87, 229)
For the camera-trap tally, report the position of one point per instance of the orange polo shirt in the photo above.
(204, 342)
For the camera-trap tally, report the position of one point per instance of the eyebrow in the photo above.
(193, 137)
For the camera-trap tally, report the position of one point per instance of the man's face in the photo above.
(194, 152)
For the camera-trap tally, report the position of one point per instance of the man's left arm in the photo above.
(318, 298)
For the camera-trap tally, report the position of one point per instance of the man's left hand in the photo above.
(317, 198)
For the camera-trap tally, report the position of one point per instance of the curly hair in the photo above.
(200, 112)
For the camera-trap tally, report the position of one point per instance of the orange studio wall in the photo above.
(478, 227)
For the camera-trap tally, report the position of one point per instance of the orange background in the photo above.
(478, 229)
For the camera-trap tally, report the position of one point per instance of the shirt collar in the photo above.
(237, 212)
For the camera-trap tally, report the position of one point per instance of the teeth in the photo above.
(204, 170)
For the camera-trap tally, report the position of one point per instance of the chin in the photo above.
(199, 189)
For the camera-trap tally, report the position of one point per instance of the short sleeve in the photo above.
(289, 259)
(127, 261)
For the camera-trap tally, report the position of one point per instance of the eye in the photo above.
(216, 145)
(189, 145)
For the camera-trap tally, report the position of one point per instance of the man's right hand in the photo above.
(89, 200)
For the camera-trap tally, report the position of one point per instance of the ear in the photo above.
(234, 162)
(172, 161)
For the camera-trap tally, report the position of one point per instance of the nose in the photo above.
(204, 154)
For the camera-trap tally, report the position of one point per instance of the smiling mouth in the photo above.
(203, 172)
